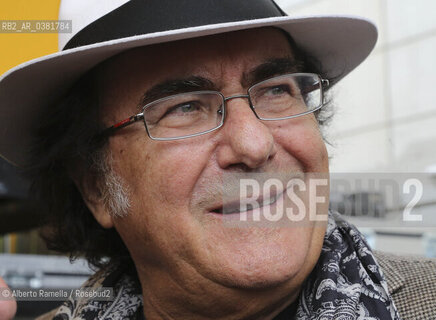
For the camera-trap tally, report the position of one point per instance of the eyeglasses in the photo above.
(191, 114)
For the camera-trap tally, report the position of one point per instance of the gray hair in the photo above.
(114, 192)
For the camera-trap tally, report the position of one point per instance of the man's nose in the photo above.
(245, 139)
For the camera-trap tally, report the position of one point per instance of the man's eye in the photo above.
(182, 108)
(278, 90)
(171, 113)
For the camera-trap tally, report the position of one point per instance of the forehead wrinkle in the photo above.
(249, 67)
(270, 68)
(175, 86)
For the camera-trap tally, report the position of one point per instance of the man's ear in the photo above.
(90, 188)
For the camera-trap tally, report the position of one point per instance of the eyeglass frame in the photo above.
(324, 83)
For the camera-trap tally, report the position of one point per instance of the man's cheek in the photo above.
(178, 172)
(179, 189)
(306, 144)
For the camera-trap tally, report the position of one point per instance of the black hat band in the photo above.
(138, 17)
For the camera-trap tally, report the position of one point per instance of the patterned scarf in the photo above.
(347, 283)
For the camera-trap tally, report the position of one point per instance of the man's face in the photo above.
(174, 186)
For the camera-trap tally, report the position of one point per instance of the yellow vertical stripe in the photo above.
(13, 243)
(17, 48)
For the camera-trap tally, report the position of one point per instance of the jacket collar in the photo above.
(392, 273)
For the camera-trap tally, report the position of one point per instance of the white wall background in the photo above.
(386, 108)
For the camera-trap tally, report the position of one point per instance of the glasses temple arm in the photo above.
(324, 84)
(124, 123)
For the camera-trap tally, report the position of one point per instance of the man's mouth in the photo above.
(241, 205)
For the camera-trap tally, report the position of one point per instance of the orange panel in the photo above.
(16, 48)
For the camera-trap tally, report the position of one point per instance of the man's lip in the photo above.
(233, 207)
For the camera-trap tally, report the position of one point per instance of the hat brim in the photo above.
(339, 43)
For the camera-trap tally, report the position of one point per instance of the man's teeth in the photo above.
(266, 202)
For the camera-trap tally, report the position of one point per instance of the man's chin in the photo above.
(253, 258)
(259, 283)
(258, 272)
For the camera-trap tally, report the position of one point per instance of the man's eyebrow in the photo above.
(261, 72)
(271, 68)
(175, 86)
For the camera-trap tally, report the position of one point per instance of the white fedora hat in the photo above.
(101, 29)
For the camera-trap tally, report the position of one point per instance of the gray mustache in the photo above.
(228, 186)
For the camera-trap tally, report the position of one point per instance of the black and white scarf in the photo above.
(346, 283)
